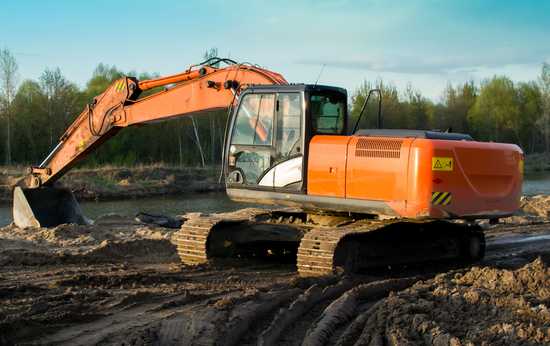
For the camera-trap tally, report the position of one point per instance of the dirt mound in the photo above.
(536, 205)
(533, 209)
(112, 238)
(140, 250)
(483, 306)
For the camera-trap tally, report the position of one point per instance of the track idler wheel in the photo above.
(473, 246)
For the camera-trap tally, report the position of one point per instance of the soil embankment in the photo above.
(110, 183)
(119, 282)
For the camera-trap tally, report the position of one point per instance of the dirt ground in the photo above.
(119, 282)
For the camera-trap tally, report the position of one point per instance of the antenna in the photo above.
(320, 72)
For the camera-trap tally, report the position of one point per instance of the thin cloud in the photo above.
(413, 68)
(418, 66)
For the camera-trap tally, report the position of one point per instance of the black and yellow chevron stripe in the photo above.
(441, 198)
(119, 86)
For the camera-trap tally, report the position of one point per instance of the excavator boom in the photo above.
(198, 89)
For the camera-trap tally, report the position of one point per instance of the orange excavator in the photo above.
(343, 197)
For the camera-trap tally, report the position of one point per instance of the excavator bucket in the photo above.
(46, 207)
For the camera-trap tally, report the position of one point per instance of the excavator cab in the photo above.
(269, 135)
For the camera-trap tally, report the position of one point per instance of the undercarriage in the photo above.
(322, 244)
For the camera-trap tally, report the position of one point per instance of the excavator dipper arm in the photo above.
(199, 89)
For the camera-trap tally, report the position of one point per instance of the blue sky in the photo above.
(426, 43)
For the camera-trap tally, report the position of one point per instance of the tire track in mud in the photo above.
(343, 309)
(117, 321)
(215, 319)
(299, 307)
(143, 295)
(233, 319)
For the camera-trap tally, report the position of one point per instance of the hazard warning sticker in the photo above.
(441, 198)
(442, 164)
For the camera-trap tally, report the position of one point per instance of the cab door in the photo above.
(287, 163)
(265, 151)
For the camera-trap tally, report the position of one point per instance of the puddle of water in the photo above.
(520, 239)
(5, 215)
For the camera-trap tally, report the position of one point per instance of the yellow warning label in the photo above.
(442, 164)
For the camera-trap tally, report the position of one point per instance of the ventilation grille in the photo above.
(383, 148)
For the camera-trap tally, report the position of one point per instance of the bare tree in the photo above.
(211, 53)
(198, 140)
(8, 85)
(544, 82)
(61, 101)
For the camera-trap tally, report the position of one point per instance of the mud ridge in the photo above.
(302, 304)
(343, 309)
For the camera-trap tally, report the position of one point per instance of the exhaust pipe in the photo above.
(46, 207)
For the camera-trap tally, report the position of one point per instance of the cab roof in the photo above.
(295, 87)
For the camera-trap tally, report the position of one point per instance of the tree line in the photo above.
(497, 109)
(35, 113)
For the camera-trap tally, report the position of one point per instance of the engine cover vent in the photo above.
(382, 148)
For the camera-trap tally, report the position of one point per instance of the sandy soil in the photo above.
(120, 283)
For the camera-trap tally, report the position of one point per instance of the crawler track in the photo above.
(322, 250)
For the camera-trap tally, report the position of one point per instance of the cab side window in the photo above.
(327, 114)
(289, 133)
(254, 123)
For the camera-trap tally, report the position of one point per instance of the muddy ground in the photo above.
(119, 282)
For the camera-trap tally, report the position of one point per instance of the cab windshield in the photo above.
(328, 112)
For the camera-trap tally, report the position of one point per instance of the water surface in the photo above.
(170, 205)
(537, 184)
